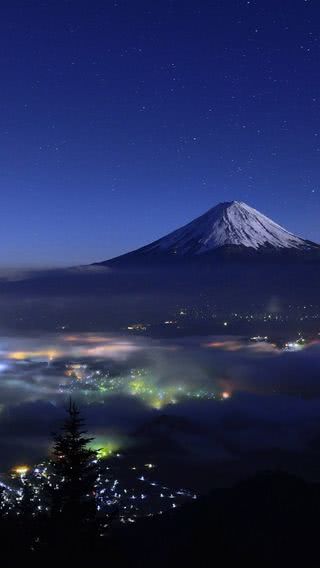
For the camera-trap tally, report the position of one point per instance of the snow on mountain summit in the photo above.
(229, 223)
(227, 226)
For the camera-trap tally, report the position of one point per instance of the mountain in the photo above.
(230, 259)
(230, 228)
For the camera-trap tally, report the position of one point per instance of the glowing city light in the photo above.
(105, 448)
(225, 395)
(21, 470)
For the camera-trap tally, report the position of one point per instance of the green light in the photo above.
(105, 447)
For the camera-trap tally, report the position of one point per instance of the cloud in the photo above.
(274, 404)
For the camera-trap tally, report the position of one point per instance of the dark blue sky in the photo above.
(122, 120)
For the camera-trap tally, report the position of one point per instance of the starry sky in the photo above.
(121, 120)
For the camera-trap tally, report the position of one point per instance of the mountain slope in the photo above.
(231, 259)
(230, 226)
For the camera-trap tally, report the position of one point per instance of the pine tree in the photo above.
(74, 474)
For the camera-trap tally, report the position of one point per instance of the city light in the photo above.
(225, 395)
(127, 488)
(104, 447)
(21, 470)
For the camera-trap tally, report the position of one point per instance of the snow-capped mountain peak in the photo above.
(229, 225)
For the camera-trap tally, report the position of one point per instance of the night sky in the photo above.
(122, 120)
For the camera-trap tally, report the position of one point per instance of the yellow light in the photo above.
(21, 470)
(52, 354)
(47, 354)
(18, 355)
(157, 403)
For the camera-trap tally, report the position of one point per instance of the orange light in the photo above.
(21, 470)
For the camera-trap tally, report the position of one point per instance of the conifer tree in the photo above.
(74, 475)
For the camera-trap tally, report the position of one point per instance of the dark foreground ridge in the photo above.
(269, 520)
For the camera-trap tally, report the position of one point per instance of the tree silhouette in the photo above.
(74, 475)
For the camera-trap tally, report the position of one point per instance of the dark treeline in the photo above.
(269, 520)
